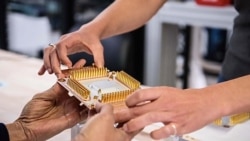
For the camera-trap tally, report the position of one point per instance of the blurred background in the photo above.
(27, 26)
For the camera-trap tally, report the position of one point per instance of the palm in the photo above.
(50, 113)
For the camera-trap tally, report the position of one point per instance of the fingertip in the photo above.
(99, 59)
(69, 64)
(40, 72)
(60, 75)
(125, 128)
(80, 63)
(99, 64)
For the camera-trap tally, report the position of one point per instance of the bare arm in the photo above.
(120, 17)
(188, 110)
(232, 97)
(123, 16)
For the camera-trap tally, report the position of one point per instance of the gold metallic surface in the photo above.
(114, 97)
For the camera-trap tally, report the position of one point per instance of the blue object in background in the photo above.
(217, 44)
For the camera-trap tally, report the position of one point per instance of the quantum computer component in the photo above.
(91, 85)
(232, 120)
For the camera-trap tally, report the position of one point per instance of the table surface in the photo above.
(19, 82)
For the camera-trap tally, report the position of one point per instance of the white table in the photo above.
(211, 132)
(161, 36)
(19, 81)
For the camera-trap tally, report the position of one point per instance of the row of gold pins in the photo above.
(127, 80)
(233, 120)
(86, 73)
(115, 96)
(79, 88)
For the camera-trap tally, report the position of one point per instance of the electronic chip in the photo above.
(91, 85)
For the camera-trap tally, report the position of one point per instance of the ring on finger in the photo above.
(52, 45)
(174, 128)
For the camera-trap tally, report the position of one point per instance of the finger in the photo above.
(164, 132)
(141, 96)
(80, 63)
(98, 55)
(46, 59)
(55, 64)
(123, 115)
(62, 53)
(146, 119)
(42, 70)
(104, 108)
(129, 113)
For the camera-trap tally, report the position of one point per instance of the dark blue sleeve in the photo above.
(4, 135)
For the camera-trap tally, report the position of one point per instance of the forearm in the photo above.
(124, 16)
(231, 97)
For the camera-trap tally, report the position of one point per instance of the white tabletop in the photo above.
(239, 132)
(19, 81)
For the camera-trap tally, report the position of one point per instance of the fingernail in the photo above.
(49, 70)
(125, 127)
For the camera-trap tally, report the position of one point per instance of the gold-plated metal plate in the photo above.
(91, 85)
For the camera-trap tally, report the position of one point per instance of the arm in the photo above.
(188, 110)
(232, 97)
(120, 17)
(124, 16)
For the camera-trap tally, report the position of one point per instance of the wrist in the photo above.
(217, 106)
(92, 28)
(18, 132)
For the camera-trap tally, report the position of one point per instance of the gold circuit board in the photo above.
(91, 85)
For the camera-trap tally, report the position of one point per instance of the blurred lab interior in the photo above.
(183, 46)
(28, 26)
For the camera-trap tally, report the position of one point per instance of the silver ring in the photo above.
(175, 129)
(52, 45)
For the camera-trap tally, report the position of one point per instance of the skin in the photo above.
(159, 104)
(120, 17)
(47, 114)
(52, 111)
(101, 127)
(188, 110)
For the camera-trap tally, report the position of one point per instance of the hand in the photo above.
(100, 127)
(81, 40)
(187, 110)
(46, 115)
